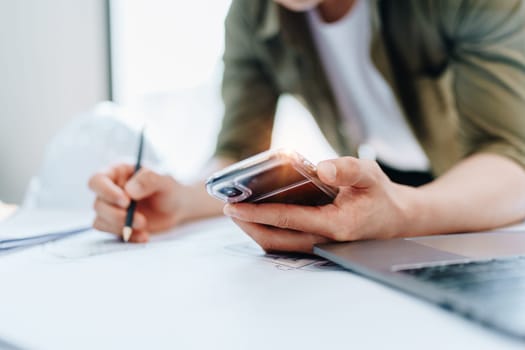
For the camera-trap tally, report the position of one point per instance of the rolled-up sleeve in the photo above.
(487, 45)
(248, 92)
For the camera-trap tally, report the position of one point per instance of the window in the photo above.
(166, 58)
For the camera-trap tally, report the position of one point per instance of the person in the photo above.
(431, 92)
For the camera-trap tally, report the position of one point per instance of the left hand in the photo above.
(368, 206)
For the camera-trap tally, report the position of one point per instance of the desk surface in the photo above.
(207, 286)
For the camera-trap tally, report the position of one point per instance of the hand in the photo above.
(157, 196)
(368, 206)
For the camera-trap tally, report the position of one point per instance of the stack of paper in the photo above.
(29, 227)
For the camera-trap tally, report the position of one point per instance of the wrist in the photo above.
(180, 210)
(413, 208)
(195, 203)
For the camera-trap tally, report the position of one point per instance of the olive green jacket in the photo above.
(457, 68)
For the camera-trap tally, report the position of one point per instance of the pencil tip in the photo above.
(126, 233)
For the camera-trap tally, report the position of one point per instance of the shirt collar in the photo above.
(270, 25)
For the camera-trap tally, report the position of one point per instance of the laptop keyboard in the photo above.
(496, 286)
(477, 278)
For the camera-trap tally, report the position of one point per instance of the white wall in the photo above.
(53, 64)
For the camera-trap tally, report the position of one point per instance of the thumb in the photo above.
(349, 171)
(146, 183)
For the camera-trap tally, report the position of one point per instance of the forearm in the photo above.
(482, 192)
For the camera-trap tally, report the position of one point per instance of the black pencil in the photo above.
(127, 230)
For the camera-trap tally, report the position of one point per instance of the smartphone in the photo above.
(278, 176)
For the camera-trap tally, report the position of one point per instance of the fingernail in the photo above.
(228, 210)
(123, 202)
(132, 187)
(329, 170)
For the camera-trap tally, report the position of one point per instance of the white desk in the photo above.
(206, 287)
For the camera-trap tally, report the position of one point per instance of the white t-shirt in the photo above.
(364, 98)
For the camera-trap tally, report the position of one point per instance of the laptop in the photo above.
(480, 276)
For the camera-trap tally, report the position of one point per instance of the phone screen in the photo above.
(262, 183)
(276, 177)
(284, 184)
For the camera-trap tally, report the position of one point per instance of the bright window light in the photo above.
(167, 69)
(161, 46)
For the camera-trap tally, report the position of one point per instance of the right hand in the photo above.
(158, 201)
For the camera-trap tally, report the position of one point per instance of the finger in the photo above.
(107, 190)
(317, 220)
(349, 171)
(108, 212)
(118, 215)
(122, 173)
(114, 223)
(103, 225)
(139, 236)
(273, 239)
(146, 182)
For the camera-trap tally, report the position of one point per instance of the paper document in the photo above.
(29, 227)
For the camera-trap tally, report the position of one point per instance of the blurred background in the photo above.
(158, 62)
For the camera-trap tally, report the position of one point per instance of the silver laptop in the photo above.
(478, 275)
